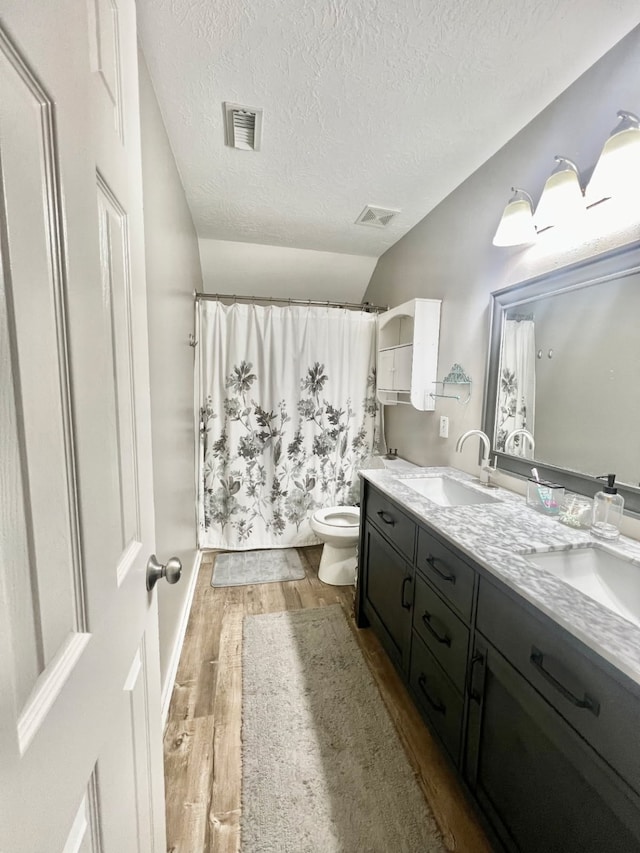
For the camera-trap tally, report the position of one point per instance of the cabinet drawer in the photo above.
(452, 577)
(436, 695)
(446, 637)
(396, 526)
(591, 700)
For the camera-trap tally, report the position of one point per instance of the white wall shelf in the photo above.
(407, 363)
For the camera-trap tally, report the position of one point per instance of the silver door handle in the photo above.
(171, 571)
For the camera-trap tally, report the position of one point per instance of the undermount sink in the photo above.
(605, 577)
(447, 492)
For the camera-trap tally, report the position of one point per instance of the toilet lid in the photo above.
(339, 516)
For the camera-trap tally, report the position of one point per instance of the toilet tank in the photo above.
(394, 463)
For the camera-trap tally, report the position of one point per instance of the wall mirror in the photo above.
(564, 365)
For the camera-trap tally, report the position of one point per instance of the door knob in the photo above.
(172, 571)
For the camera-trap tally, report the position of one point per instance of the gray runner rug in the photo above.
(241, 568)
(323, 768)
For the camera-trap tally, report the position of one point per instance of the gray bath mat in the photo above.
(241, 568)
(323, 768)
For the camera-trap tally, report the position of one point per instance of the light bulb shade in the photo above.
(617, 172)
(561, 200)
(516, 227)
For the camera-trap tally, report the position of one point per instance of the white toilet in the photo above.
(338, 527)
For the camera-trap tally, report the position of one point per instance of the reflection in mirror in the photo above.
(517, 388)
(584, 390)
(564, 373)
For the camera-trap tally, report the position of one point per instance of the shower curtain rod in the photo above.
(362, 306)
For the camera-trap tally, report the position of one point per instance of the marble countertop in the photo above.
(496, 534)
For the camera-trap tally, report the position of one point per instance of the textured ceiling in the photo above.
(385, 102)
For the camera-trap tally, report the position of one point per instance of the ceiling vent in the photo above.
(243, 127)
(376, 217)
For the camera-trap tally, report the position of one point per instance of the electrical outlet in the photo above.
(444, 426)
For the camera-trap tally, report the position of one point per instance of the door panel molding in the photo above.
(44, 541)
(104, 34)
(48, 688)
(85, 835)
(140, 709)
(116, 274)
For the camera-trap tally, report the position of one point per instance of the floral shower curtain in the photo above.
(517, 391)
(288, 413)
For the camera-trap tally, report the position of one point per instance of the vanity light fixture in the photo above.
(617, 172)
(516, 227)
(562, 199)
(616, 175)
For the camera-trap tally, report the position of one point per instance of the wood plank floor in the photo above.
(202, 739)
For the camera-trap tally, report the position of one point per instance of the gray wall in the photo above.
(449, 255)
(254, 269)
(173, 273)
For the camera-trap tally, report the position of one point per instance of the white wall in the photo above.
(254, 269)
(173, 273)
(449, 255)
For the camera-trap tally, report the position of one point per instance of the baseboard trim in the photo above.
(167, 687)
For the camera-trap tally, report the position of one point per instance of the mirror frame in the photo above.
(617, 263)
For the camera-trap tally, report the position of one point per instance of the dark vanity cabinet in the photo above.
(417, 594)
(388, 584)
(440, 638)
(389, 597)
(542, 787)
(447, 573)
(545, 735)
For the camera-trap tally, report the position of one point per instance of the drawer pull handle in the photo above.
(537, 660)
(405, 604)
(437, 706)
(441, 638)
(444, 575)
(473, 693)
(388, 519)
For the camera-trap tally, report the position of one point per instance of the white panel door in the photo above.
(402, 366)
(385, 369)
(80, 731)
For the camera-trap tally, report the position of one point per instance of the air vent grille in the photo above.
(243, 127)
(376, 217)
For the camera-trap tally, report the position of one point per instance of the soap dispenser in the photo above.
(607, 510)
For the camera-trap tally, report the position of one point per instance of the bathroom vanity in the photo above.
(531, 686)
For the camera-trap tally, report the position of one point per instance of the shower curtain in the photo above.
(288, 413)
(517, 390)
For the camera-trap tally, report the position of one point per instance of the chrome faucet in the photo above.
(486, 469)
(525, 434)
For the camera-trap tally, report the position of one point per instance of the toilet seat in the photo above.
(341, 517)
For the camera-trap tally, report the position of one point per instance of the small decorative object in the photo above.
(456, 376)
(576, 511)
